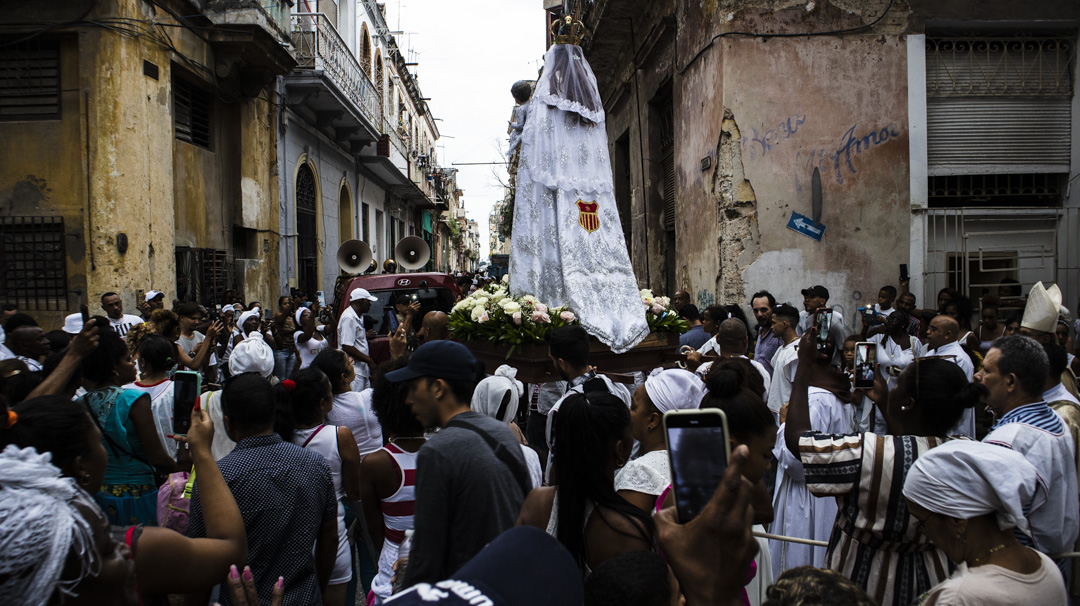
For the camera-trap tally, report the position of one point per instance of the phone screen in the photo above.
(865, 360)
(698, 451)
(823, 321)
(903, 271)
(185, 394)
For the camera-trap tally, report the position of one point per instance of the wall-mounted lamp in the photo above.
(121, 242)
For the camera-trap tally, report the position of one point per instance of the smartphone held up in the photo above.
(865, 364)
(698, 452)
(823, 322)
(186, 389)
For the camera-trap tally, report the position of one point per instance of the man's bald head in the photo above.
(732, 337)
(942, 331)
(434, 327)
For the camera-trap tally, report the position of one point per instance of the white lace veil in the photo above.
(568, 83)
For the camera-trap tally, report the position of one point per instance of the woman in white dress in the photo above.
(351, 409)
(498, 397)
(968, 497)
(310, 341)
(308, 398)
(644, 479)
(157, 360)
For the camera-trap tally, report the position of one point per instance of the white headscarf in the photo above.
(300, 314)
(964, 479)
(252, 354)
(674, 389)
(39, 526)
(489, 393)
(244, 317)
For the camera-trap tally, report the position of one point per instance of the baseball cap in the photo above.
(439, 360)
(360, 293)
(153, 294)
(73, 324)
(816, 291)
(523, 566)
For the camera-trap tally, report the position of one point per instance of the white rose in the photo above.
(646, 293)
(477, 312)
(511, 308)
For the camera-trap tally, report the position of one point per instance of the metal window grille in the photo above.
(366, 210)
(191, 108)
(307, 242)
(379, 82)
(667, 153)
(33, 266)
(996, 190)
(30, 80)
(1016, 66)
(202, 275)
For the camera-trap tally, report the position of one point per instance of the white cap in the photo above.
(1043, 306)
(153, 294)
(73, 324)
(360, 293)
(228, 307)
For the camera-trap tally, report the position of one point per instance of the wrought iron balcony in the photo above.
(319, 47)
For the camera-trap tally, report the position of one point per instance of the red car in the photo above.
(434, 291)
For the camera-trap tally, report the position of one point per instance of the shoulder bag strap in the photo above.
(312, 436)
(520, 473)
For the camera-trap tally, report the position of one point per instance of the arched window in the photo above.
(307, 236)
(365, 50)
(345, 222)
(379, 78)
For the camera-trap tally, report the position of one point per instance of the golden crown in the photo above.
(569, 30)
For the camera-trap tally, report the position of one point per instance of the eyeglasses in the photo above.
(950, 357)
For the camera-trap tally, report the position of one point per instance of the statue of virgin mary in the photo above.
(567, 246)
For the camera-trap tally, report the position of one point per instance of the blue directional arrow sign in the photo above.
(806, 226)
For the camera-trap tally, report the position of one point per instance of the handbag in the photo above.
(174, 501)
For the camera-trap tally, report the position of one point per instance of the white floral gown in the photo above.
(567, 247)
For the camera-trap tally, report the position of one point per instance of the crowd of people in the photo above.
(313, 473)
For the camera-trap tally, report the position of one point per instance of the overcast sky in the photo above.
(469, 54)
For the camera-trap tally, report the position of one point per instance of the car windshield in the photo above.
(431, 299)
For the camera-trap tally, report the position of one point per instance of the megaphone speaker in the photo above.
(412, 253)
(353, 256)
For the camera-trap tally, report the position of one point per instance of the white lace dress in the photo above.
(648, 474)
(568, 247)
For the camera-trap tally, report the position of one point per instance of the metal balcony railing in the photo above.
(319, 46)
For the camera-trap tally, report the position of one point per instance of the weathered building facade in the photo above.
(945, 135)
(139, 150)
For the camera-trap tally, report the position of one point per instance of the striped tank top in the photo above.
(398, 508)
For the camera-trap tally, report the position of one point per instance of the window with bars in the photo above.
(365, 230)
(192, 108)
(30, 80)
(202, 275)
(33, 267)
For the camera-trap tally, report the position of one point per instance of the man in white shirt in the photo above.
(942, 337)
(1014, 372)
(26, 340)
(786, 359)
(352, 336)
(815, 298)
(114, 309)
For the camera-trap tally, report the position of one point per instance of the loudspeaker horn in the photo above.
(412, 253)
(353, 256)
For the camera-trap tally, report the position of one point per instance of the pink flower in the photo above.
(541, 318)
(517, 318)
(567, 316)
(541, 308)
(484, 317)
(657, 309)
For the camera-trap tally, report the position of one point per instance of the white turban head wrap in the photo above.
(674, 389)
(300, 314)
(964, 479)
(41, 523)
(252, 354)
(489, 394)
(244, 318)
(1042, 309)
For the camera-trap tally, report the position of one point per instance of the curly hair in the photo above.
(388, 402)
(809, 586)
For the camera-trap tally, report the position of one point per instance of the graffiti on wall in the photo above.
(839, 163)
(772, 137)
(705, 298)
